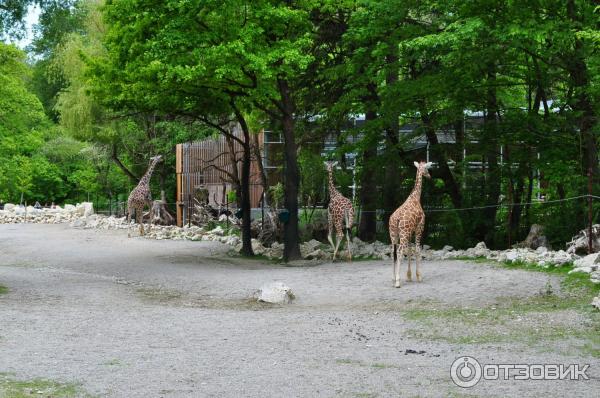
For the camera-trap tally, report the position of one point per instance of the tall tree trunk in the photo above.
(367, 228)
(291, 237)
(443, 171)
(391, 178)
(493, 177)
(245, 185)
(582, 103)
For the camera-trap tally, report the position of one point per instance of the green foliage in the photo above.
(276, 194)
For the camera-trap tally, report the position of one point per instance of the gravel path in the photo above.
(145, 318)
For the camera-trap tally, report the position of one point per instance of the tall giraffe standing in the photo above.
(141, 195)
(340, 214)
(406, 220)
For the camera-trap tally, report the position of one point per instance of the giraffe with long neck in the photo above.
(141, 195)
(340, 215)
(409, 219)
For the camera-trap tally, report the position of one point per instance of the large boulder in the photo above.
(9, 207)
(587, 264)
(535, 238)
(275, 292)
(69, 209)
(88, 209)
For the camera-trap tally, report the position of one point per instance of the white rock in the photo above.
(88, 209)
(78, 223)
(217, 231)
(9, 207)
(596, 302)
(591, 260)
(275, 292)
(447, 248)
(511, 255)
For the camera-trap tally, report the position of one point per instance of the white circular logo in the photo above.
(465, 372)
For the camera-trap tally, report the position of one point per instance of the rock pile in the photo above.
(13, 214)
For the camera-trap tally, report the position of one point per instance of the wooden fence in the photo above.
(209, 164)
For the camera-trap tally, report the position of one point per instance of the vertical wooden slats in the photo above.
(202, 163)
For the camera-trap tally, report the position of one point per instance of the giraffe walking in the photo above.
(141, 196)
(406, 220)
(340, 215)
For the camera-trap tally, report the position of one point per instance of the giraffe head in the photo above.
(330, 164)
(423, 168)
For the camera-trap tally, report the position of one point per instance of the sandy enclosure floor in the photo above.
(145, 318)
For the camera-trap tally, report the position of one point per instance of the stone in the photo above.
(480, 245)
(257, 247)
(9, 207)
(78, 223)
(217, 231)
(596, 302)
(590, 261)
(275, 292)
(511, 255)
(595, 277)
(447, 248)
(88, 209)
(317, 254)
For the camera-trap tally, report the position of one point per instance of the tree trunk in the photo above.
(582, 103)
(245, 186)
(493, 183)
(291, 237)
(367, 228)
(392, 171)
(443, 171)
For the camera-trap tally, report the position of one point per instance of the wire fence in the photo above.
(561, 218)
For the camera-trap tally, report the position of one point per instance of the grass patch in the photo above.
(113, 362)
(12, 388)
(3, 289)
(547, 316)
(375, 365)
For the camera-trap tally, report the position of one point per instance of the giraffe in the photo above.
(141, 195)
(406, 220)
(340, 214)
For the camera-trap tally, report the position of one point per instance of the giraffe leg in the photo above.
(395, 257)
(418, 234)
(408, 260)
(129, 221)
(138, 217)
(338, 240)
(348, 243)
(330, 232)
(402, 248)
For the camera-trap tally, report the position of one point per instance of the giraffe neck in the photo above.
(332, 191)
(145, 180)
(416, 192)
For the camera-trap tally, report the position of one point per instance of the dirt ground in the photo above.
(144, 318)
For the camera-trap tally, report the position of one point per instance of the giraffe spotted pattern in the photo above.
(141, 196)
(409, 219)
(340, 214)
